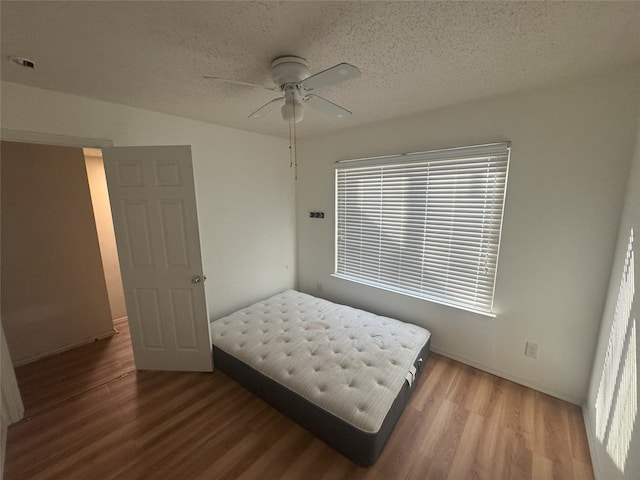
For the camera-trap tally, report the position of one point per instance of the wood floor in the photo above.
(461, 423)
(60, 377)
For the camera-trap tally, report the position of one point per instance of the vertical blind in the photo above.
(425, 224)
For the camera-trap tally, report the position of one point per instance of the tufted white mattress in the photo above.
(346, 361)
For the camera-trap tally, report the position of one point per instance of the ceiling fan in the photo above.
(293, 79)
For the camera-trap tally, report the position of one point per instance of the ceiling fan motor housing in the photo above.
(289, 69)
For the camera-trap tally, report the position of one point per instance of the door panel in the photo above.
(167, 175)
(155, 218)
(137, 237)
(129, 174)
(176, 252)
(182, 302)
(147, 308)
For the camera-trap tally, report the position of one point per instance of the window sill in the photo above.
(413, 295)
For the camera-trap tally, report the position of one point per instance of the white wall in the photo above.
(571, 150)
(53, 286)
(106, 235)
(244, 186)
(625, 431)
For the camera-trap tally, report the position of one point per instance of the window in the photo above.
(424, 224)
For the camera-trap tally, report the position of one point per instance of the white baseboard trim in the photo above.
(34, 358)
(507, 376)
(591, 441)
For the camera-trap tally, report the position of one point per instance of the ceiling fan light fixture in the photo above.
(292, 112)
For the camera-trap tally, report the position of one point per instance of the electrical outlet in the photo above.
(319, 286)
(531, 350)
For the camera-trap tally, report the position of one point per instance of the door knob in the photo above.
(196, 279)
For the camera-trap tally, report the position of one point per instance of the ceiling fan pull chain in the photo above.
(295, 145)
(290, 147)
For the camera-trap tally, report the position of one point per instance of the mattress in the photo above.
(343, 373)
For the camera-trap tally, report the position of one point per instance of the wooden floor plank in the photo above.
(518, 413)
(578, 434)
(311, 464)
(465, 463)
(59, 377)
(111, 422)
(552, 437)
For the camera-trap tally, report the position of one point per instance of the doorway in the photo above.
(61, 285)
(156, 226)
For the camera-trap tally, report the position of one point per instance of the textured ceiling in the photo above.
(414, 56)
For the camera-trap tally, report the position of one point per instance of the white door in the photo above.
(156, 225)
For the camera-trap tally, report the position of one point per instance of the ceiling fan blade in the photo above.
(336, 74)
(325, 106)
(246, 84)
(266, 108)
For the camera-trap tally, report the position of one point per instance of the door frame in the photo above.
(24, 136)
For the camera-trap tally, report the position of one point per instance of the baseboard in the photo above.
(591, 441)
(507, 376)
(35, 358)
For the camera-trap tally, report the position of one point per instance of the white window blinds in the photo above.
(424, 224)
